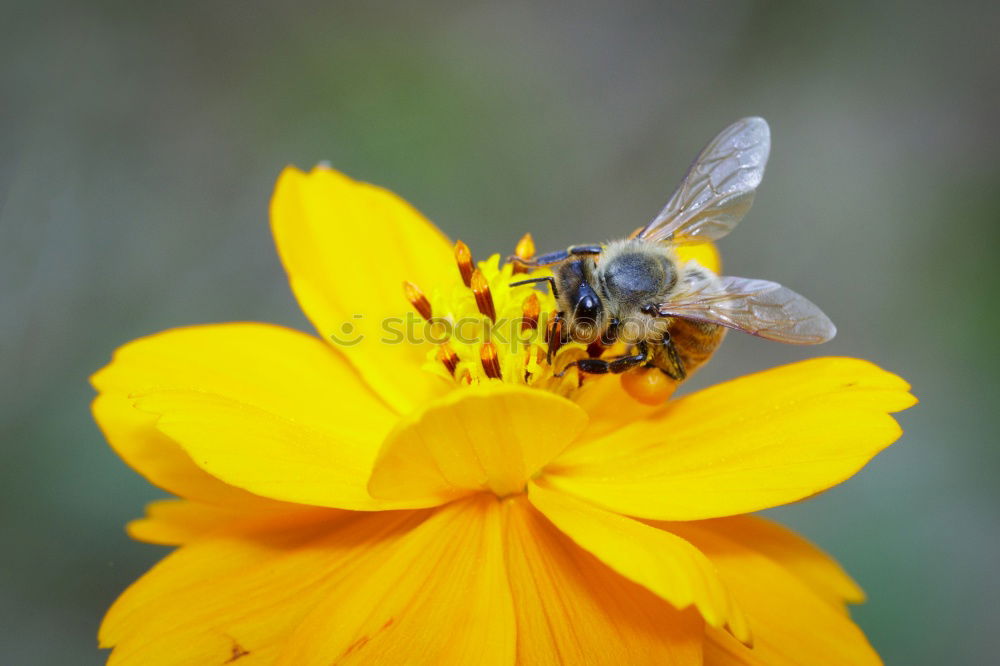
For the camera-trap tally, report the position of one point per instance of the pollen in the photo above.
(649, 386)
(554, 333)
(529, 313)
(448, 357)
(463, 257)
(418, 300)
(484, 299)
(525, 249)
(490, 361)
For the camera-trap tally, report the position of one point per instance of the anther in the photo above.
(553, 336)
(463, 257)
(448, 357)
(529, 313)
(484, 299)
(491, 363)
(525, 249)
(417, 299)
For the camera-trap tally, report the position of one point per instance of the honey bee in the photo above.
(672, 315)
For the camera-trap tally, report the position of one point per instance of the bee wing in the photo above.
(757, 307)
(718, 189)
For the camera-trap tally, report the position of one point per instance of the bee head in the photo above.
(585, 313)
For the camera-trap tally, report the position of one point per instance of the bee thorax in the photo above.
(636, 273)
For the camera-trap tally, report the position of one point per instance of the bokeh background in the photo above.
(139, 143)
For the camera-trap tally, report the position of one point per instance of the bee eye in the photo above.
(588, 308)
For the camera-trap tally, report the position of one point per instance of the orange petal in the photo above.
(252, 404)
(242, 592)
(172, 522)
(491, 436)
(791, 624)
(440, 596)
(348, 247)
(795, 554)
(572, 609)
(665, 564)
(748, 444)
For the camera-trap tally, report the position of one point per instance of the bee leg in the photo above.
(554, 335)
(669, 360)
(615, 366)
(556, 257)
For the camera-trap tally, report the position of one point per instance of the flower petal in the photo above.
(491, 436)
(791, 624)
(794, 553)
(706, 254)
(269, 454)
(610, 407)
(663, 563)
(440, 597)
(270, 367)
(133, 436)
(242, 592)
(748, 444)
(572, 609)
(251, 404)
(347, 247)
(172, 522)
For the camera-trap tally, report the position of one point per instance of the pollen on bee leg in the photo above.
(484, 299)
(490, 360)
(463, 257)
(417, 299)
(448, 357)
(529, 313)
(525, 249)
(650, 386)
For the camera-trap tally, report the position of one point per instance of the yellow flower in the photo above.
(418, 503)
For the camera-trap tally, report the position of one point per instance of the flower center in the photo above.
(483, 329)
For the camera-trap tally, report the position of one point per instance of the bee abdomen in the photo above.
(695, 341)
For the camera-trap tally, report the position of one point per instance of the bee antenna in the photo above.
(551, 280)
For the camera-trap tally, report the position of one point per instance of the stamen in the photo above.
(448, 357)
(525, 249)
(484, 299)
(529, 313)
(417, 299)
(553, 335)
(490, 361)
(463, 257)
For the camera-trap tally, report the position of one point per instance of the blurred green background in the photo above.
(139, 143)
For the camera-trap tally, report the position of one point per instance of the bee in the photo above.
(672, 315)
